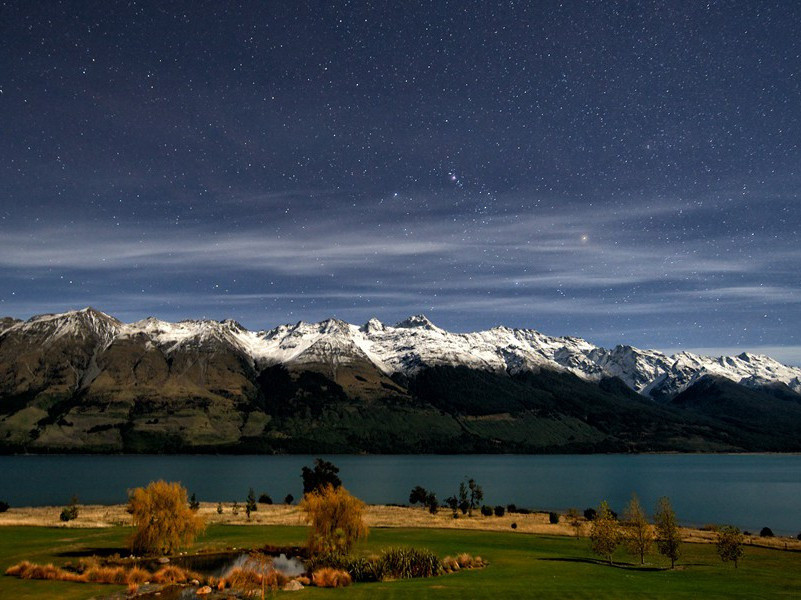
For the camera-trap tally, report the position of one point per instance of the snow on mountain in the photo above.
(81, 324)
(416, 343)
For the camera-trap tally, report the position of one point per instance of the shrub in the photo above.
(70, 512)
(266, 499)
(250, 503)
(798, 537)
(499, 511)
(289, 499)
(193, 503)
(589, 514)
(335, 517)
(162, 518)
(406, 563)
(553, 518)
(333, 559)
(333, 578)
(432, 503)
(4, 506)
(710, 527)
(235, 508)
(486, 511)
(511, 508)
(363, 569)
(766, 532)
(219, 508)
(523, 511)
(514, 525)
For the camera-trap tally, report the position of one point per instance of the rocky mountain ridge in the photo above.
(417, 343)
(84, 381)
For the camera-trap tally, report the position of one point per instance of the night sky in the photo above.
(625, 172)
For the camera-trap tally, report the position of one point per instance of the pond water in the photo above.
(751, 491)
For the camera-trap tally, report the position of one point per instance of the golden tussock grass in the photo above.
(464, 560)
(247, 579)
(331, 578)
(173, 574)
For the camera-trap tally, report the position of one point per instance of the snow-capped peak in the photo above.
(416, 321)
(416, 343)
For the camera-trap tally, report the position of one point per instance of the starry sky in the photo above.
(625, 172)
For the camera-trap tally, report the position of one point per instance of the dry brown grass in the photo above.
(137, 575)
(115, 575)
(246, 578)
(173, 574)
(29, 570)
(92, 574)
(331, 578)
(374, 516)
(462, 561)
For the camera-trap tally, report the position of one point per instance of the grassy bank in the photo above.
(520, 565)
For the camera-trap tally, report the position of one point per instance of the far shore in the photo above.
(376, 516)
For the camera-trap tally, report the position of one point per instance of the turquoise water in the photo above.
(751, 491)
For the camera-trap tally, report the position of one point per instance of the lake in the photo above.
(751, 491)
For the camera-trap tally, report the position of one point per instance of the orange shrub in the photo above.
(333, 578)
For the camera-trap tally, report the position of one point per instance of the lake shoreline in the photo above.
(378, 516)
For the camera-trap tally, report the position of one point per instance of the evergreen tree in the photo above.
(323, 474)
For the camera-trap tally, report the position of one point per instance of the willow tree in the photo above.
(637, 533)
(605, 534)
(162, 518)
(336, 519)
(668, 537)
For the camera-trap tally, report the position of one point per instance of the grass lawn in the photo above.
(523, 566)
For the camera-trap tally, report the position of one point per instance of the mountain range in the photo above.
(82, 381)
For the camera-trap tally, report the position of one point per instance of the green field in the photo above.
(521, 566)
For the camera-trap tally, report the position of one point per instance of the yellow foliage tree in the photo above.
(335, 517)
(162, 518)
